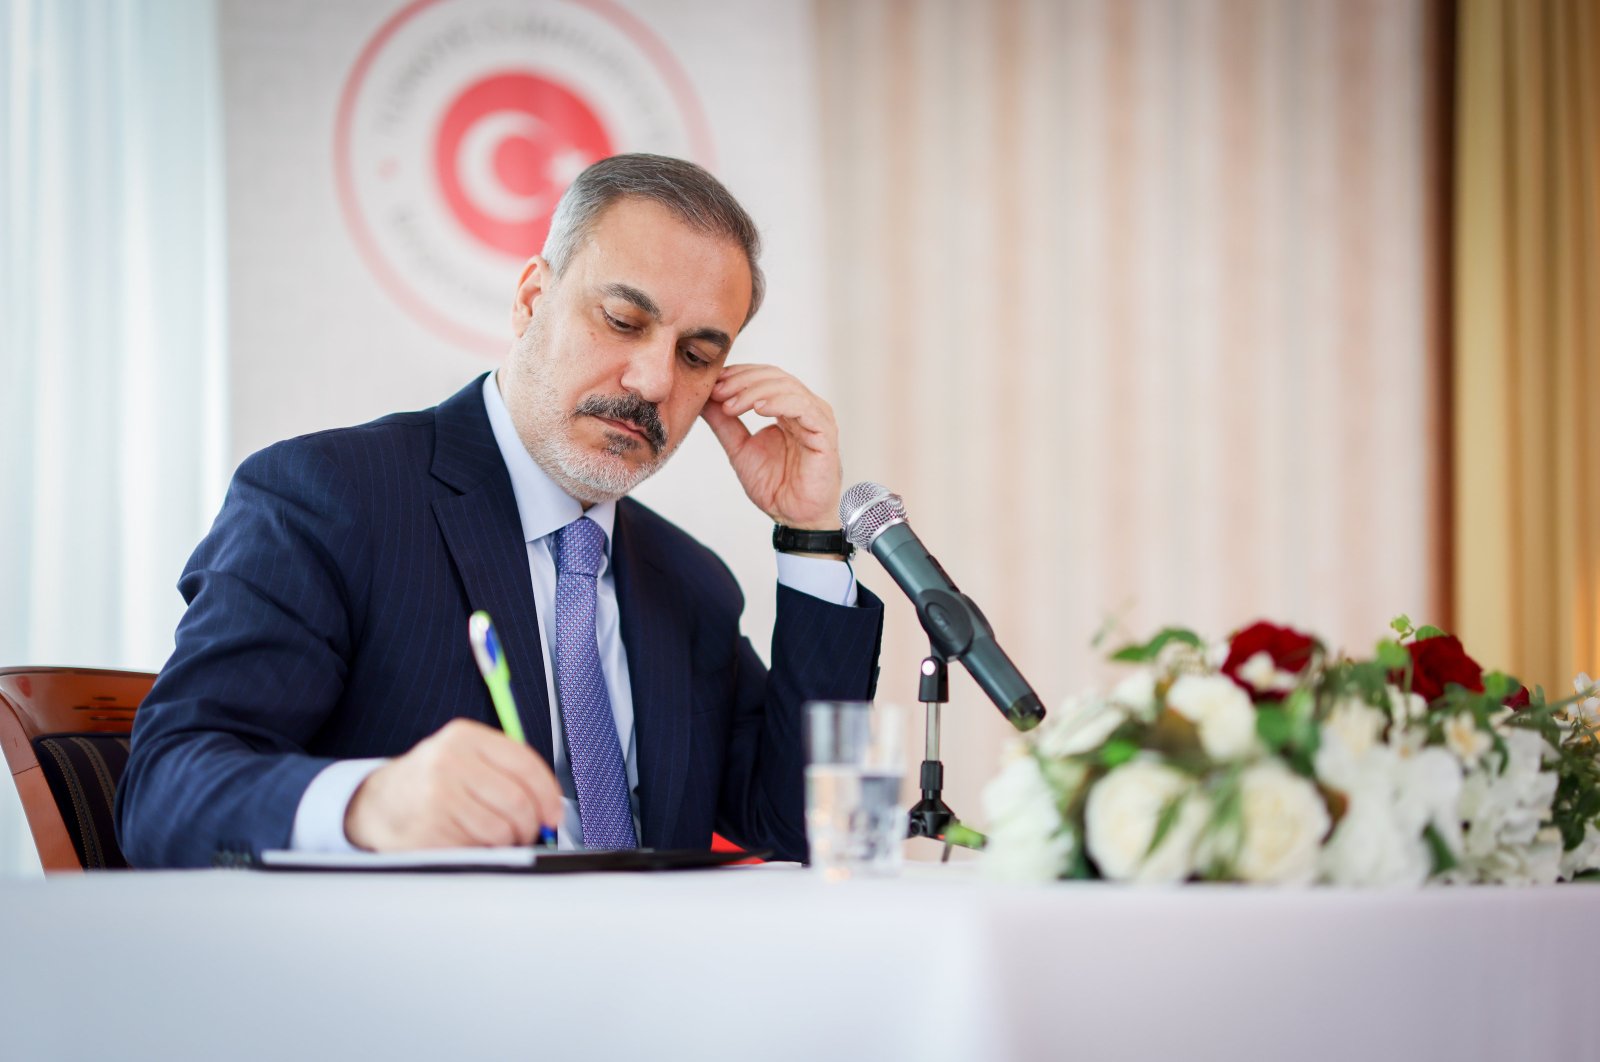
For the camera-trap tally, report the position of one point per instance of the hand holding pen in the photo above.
(467, 784)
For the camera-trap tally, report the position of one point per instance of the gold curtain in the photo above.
(1527, 330)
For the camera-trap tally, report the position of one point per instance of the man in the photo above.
(323, 694)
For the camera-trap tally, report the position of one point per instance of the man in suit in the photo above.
(323, 694)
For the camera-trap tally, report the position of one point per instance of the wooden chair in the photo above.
(65, 731)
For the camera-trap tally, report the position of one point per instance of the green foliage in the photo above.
(1117, 751)
(1165, 821)
(1392, 656)
(1497, 686)
(1147, 653)
(1401, 625)
(1273, 728)
(1443, 859)
(1427, 631)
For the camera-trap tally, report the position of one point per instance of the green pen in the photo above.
(496, 673)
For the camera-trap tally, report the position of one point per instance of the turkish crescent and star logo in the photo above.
(463, 121)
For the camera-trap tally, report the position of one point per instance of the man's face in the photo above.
(615, 359)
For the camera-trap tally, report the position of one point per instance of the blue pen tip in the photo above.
(491, 646)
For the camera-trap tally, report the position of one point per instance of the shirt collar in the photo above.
(543, 507)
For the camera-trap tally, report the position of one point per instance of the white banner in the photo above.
(391, 166)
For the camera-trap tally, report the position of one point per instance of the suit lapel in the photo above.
(657, 644)
(483, 533)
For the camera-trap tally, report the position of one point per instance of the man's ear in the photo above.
(534, 282)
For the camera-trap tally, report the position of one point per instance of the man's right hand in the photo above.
(466, 785)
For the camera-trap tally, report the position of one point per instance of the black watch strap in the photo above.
(794, 540)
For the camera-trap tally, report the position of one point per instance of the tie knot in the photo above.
(579, 547)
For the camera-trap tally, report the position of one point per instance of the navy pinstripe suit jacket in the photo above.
(327, 620)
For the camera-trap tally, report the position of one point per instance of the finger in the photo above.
(510, 798)
(750, 397)
(731, 381)
(729, 430)
(745, 368)
(802, 415)
(476, 823)
(522, 766)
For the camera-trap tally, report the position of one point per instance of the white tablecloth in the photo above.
(771, 962)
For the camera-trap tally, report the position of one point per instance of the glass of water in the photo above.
(855, 757)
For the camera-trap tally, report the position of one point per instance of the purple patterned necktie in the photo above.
(593, 750)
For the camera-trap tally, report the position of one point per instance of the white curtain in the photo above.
(111, 330)
(1135, 302)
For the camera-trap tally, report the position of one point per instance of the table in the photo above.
(774, 963)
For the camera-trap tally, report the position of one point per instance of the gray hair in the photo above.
(689, 191)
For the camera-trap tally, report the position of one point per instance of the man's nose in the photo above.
(649, 371)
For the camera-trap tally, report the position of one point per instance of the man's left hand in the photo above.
(789, 468)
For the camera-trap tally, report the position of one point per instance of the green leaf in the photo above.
(1427, 631)
(1443, 859)
(1144, 654)
(1392, 655)
(1116, 752)
(1497, 685)
(1401, 625)
(1273, 728)
(1165, 821)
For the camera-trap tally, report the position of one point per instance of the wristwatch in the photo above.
(794, 540)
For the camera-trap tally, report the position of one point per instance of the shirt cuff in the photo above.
(319, 818)
(830, 580)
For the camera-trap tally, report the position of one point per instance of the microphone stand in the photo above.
(932, 817)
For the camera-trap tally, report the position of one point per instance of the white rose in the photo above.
(1027, 839)
(1393, 797)
(1120, 819)
(1406, 707)
(1369, 848)
(1584, 857)
(1284, 821)
(1351, 730)
(1462, 737)
(1220, 710)
(1505, 840)
(1020, 800)
(1263, 674)
(1024, 858)
(1137, 693)
(1080, 725)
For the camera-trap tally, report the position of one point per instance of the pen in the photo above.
(497, 676)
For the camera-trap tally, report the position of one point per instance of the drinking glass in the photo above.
(855, 757)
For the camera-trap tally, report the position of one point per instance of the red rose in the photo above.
(1289, 649)
(1437, 662)
(1518, 700)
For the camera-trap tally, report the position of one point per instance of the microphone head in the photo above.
(867, 510)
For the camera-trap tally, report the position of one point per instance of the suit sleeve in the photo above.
(820, 651)
(218, 760)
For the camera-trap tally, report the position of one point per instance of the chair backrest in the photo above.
(64, 731)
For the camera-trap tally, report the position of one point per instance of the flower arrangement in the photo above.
(1268, 759)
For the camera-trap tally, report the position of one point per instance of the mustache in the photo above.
(631, 409)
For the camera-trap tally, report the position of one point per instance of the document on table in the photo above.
(500, 860)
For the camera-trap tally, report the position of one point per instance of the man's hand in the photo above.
(790, 469)
(466, 785)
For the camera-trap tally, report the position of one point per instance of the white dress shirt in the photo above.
(544, 509)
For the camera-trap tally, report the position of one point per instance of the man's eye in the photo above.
(619, 324)
(694, 359)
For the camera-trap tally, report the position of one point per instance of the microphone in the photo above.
(875, 520)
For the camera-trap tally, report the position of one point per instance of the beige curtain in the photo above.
(1134, 302)
(1527, 320)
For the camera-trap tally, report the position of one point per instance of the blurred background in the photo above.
(1155, 311)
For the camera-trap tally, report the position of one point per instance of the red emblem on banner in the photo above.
(508, 147)
(463, 122)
